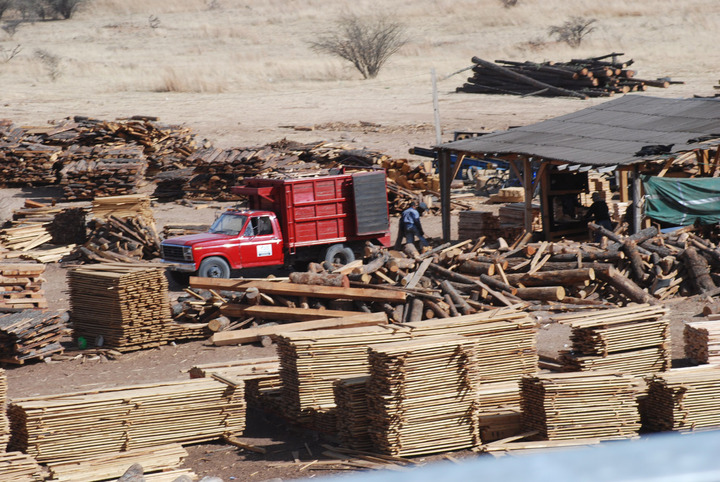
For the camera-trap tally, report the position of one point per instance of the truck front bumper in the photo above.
(179, 266)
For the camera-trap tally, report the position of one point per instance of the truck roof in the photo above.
(247, 212)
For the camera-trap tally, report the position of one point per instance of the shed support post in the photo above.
(636, 199)
(445, 181)
(528, 185)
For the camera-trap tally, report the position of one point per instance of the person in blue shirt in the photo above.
(410, 226)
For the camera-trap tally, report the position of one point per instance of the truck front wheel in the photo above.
(339, 254)
(214, 267)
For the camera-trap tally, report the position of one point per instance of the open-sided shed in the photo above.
(633, 135)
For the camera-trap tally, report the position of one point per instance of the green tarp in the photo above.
(682, 201)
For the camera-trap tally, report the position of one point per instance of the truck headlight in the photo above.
(187, 253)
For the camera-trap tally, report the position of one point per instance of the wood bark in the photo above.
(698, 270)
(320, 279)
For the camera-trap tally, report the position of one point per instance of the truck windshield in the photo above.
(230, 224)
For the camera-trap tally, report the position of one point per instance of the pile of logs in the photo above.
(632, 340)
(75, 426)
(125, 307)
(129, 240)
(581, 405)
(702, 341)
(601, 76)
(21, 286)
(682, 399)
(422, 396)
(31, 334)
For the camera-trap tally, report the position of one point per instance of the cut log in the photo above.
(320, 279)
(542, 293)
(698, 269)
(552, 278)
(282, 313)
(625, 285)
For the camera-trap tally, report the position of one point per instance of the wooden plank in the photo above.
(282, 313)
(250, 335)
(294, 289)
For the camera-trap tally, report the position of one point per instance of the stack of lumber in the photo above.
(683, 399)
(475, 224)
(4, 422)
(618, 210)
(125, 306)
(422, 396)
(128, 239)
(24, 237)
(509, 195)
(499, 411)
(702, 341)
(118, 207)
(175, 230)
(633, 340)
(21, 286)
(108, 173)
(20, 467)
(513, 216)
(594, 77)
(599, 185)
(415, 178)
(79, 425)
(24, 159)
(68, 226)
(154, 460)
(353, 417)
(311, 361)
(31, 334)
(581, 405)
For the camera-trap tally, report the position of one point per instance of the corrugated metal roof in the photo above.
(607, 134)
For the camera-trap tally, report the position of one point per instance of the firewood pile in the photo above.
(19, 466)
(76, 426)
(422, 396)
(581, 405)
(702, 341)
(21, 286)
(31, 334)
(125, 307)
(633, 340)
(162, 460)
(130, 239)
(602, 76)
(682, 399)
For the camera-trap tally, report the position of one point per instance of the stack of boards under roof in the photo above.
(632, 340)
(79, 425)
(124, 306)
(564, 406)
(683, 399)
(31, 334)
(422, 396)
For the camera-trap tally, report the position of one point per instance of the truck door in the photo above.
(261, 243)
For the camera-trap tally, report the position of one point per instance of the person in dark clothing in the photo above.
(410, 226)
(600, 213)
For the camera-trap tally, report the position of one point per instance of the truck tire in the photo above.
(339, 254)
(214, 267)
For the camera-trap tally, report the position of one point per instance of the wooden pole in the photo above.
(637, 198)
(445, 181)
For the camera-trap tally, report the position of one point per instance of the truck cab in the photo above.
(237, 239)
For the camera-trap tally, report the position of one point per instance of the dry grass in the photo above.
(230, 50)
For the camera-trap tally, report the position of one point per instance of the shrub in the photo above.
(367, 44)
(509, 3)
(4, 5)
(64, 8)
(573, 31)
(51, 63)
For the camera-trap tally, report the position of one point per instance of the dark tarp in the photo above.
(682, 201)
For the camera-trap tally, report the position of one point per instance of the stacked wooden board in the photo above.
(123, 206)
(19, 467)
(475, 224)
(632, 340)
(683, 399)
(311, 361)
(702, 341)
(513, 216)
(564, 406)
(31, 334)
(154, 460)
(78, 425)
(499, 412)
(110, 172)
(4, 422)
(422, 396)
(352, 413)
(124, 305)
(21, 285)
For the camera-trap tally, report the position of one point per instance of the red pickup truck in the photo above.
(325, 218)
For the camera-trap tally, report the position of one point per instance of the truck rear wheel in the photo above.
(214, 267)
(339, 254)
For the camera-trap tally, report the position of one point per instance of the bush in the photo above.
(509, 3)
(4, 5)
(573, 31)
(367, 44)
(64, 8)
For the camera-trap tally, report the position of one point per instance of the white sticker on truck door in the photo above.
(264, 250)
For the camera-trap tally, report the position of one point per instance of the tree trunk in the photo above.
(698, 269)
(320, 279)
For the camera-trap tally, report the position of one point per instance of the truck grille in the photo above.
(172, 253)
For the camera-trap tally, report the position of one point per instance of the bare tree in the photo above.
(573, 31)
(4, 5)
(366, 43)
